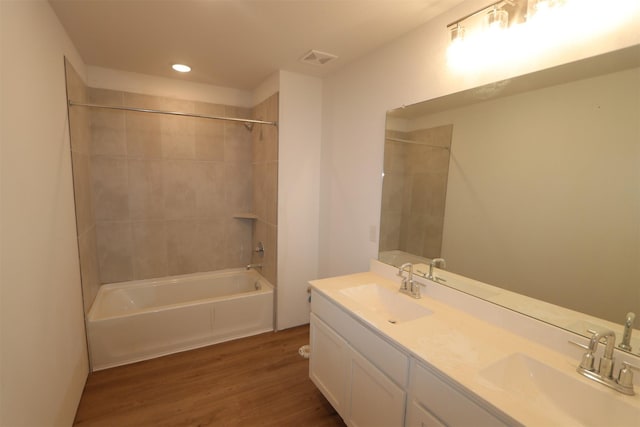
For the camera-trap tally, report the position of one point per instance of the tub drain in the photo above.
(304, 351)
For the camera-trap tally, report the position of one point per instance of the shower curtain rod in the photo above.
(409, 141)
(248, 123)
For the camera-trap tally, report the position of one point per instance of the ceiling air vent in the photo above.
(315, 57)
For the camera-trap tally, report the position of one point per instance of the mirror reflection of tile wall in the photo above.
(416, 167)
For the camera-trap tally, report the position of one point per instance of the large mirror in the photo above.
(530, 185)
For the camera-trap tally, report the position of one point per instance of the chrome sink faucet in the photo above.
(408, 285)
(603, 374)
(625, 344)
(434, 263)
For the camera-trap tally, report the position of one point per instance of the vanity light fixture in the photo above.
(181, 68)
(541, 6)
(457, 32)
(497, 18)
(508, 32)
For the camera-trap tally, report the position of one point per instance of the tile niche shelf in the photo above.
(245, 216)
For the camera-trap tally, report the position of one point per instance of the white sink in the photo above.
(562, 396)
(393, 306)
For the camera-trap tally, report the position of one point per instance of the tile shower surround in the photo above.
(80, 136)
(165, 188)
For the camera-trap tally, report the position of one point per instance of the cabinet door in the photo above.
(374, 400)
(328, 364)
(417, 416)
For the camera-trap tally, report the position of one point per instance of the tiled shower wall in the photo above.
(265, 186)
(166, 188)
(414, 191)
(80, 135)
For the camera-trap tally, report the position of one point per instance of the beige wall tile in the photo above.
(271, 192)
(80, 125)
(179, 189)
(145, 189)
(149, 249)
(209, 140)
(107, 126)
(182, 246)
(85, 218)
(90, 276)
(270, 269)
(238, 243)
(110, 192)
(259, 190)
(211, 254)
(237, 144)
(238, 187)
(209, 134)
(257, 135)
(144, 135)
(178, 138)
(210, 186)
(271, 132)
(137, 100)
(115, 251)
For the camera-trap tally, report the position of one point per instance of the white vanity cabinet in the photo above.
(361, 375)
(372, 383)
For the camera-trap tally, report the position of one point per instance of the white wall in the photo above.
(355, 99)
(299, 139)
(44, 361)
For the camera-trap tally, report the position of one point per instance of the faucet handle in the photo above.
(625, 376)
(588, 358)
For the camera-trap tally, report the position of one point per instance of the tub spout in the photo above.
(254, 266)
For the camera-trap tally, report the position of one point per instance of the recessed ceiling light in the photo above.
(181, 68)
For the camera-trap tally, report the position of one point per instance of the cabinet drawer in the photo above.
(381, 353)
(448, 404)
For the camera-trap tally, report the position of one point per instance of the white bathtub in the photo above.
(143, 319)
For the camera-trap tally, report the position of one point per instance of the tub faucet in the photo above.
(254, 266)
(435, 262)
(626, 335)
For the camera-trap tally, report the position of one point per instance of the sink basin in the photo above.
(392, 305)
(562, 396)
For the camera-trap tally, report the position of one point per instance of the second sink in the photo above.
(562, 395)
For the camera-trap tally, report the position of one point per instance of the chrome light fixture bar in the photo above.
(493, 6)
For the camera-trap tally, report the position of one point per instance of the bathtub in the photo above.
(133, 321)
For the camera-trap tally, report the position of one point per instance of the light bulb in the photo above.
(181, 68)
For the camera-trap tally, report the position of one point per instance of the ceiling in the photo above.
(235, 43)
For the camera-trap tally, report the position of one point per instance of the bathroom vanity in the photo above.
(383, 358)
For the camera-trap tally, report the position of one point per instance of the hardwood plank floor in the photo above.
(255, 381)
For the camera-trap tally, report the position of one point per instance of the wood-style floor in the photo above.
(255, 381)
